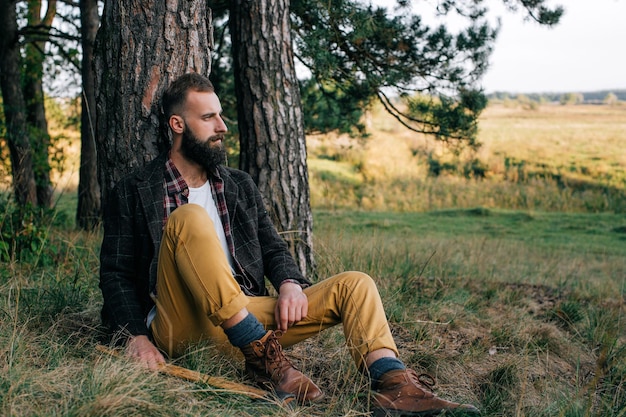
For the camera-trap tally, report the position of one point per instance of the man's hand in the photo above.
(143, 350)
(291, 307)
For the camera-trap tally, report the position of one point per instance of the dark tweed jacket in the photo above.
(133, 225)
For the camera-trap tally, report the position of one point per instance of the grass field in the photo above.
(553, 158)
(510, 288)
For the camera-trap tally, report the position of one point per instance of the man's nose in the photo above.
(221, 127)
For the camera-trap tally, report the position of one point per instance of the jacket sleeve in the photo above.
(278, 262)
(118, 267)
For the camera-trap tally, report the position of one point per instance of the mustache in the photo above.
(215, 138)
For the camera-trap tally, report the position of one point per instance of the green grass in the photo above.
(543, 291)
(580, 232)
(510, 290)
(553, 158)
(520, 313)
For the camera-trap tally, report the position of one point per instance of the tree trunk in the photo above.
(273, 148)
(34, 98)
(140, 48)
(88, 210)
(24, 184)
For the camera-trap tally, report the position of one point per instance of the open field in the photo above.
(520, 313)
(554, 158)
(509, 289)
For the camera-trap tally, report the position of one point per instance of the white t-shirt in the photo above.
(204, 197)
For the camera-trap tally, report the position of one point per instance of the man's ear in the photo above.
(177, 124)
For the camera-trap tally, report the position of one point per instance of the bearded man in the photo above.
(187, 247)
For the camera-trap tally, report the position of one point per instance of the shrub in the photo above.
(24, 232)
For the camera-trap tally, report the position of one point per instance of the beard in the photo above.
(207, 154)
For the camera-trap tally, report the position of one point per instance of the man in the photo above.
(187, 246)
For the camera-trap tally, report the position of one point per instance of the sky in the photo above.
(584, 52)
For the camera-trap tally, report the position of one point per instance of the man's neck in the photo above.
(195, 176)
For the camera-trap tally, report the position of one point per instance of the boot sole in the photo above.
(382, 412)
(287, 397)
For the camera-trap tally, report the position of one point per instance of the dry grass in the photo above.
(555, 158)
(582, 141)
(520, 312)
(514, 326)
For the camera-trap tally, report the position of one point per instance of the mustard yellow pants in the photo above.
(196, 292)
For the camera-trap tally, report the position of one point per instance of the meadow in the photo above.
(502, 272)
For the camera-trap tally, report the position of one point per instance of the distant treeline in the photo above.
(592, 97)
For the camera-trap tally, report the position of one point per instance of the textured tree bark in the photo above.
(15, 107)
(273, 148)
(88, 210)
(34, 97)
(141, 47)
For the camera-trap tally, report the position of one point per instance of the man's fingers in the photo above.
(154, 362)
(288, 316)
(281, 322)
(291, 307)
(151, 360)
(284, 319)
(143, 350)
(293, 315)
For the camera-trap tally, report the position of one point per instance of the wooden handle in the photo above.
(195, 376)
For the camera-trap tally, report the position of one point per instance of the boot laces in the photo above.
(423, 379)
(275, 358)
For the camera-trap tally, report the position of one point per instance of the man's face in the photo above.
(208, 153)
(204, 129)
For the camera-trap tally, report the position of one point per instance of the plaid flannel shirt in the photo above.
(177, 194)
(133, 226)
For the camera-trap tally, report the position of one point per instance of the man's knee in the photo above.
(356, 279)
(189, 214)
(190, 219)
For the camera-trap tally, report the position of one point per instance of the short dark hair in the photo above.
(176, 94)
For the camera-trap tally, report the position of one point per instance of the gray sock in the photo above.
(381, 367)
(245, 332)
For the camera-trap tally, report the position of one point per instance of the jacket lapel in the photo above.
(150, 190)
(230, 194)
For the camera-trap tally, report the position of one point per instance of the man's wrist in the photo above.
(290, 281)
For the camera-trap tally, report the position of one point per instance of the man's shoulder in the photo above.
(238, 184)
(234, 174)
(153, 170)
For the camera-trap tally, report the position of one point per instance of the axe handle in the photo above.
(195, 376)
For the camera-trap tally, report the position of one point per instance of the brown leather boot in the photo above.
(268, 366)
(404, 393)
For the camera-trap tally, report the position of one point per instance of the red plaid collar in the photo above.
(177, 194)
(176, 189)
